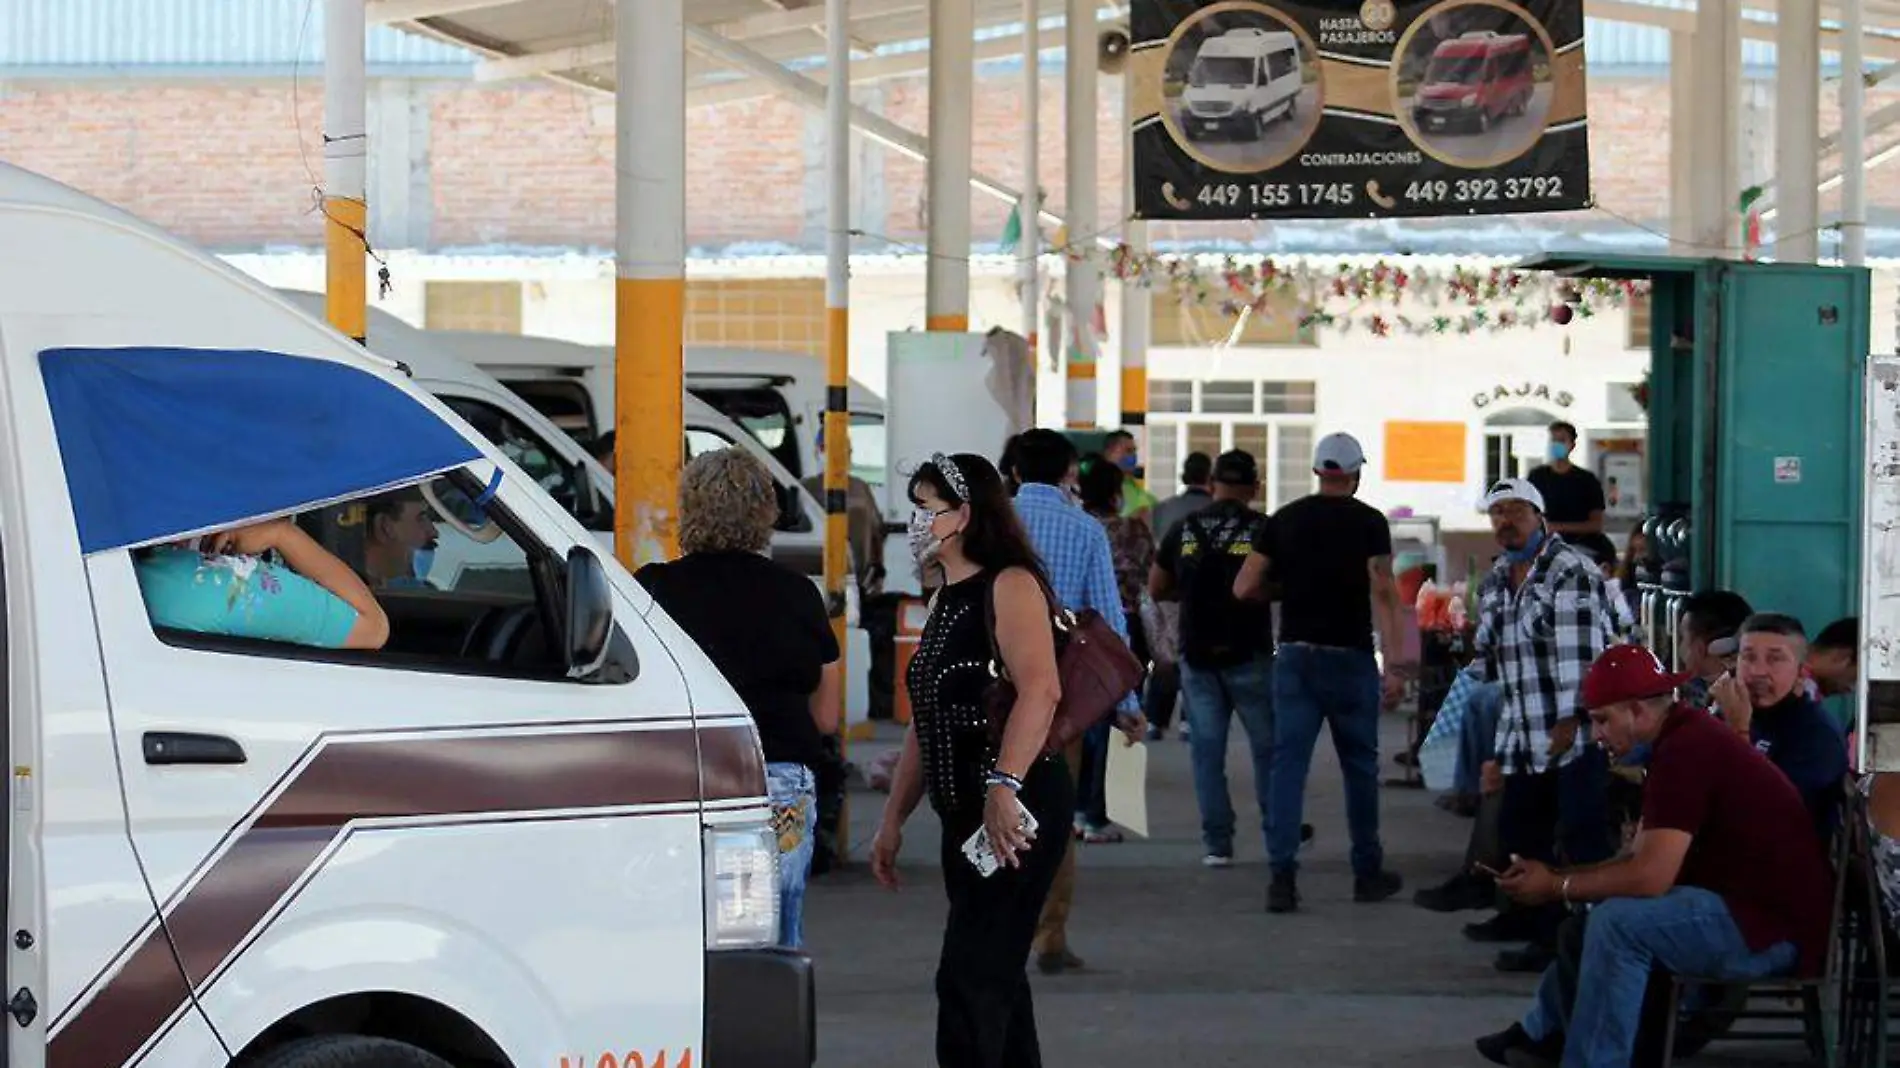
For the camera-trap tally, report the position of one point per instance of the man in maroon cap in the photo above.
(1727, 879)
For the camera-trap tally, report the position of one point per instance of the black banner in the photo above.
(1301, 109)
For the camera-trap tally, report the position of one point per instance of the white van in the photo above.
(778, 397)
(1240, 82)
(556, 460)
(530, 829)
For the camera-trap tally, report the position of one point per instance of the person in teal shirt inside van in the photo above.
(222, 584)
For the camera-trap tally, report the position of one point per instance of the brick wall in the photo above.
(231, 164)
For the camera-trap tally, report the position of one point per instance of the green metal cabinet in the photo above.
(1757, 373)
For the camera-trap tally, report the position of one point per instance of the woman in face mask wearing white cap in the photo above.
(992, 598)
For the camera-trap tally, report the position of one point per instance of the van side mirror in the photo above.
(791, 510)
(590, 613)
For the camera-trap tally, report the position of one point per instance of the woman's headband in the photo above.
(953, 475)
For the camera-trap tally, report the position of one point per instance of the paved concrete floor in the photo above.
(1185, 965)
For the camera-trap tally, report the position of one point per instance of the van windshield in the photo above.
(1221, 70)
(1455, 70)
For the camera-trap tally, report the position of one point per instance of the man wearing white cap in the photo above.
(1543, 619)
(1330, 554)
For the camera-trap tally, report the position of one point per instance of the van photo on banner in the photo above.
(1304, 109)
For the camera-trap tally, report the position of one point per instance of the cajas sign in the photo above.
(1524, 391)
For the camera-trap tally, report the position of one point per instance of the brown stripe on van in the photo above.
(368, 778)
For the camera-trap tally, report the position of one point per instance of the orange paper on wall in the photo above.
(1424, 452)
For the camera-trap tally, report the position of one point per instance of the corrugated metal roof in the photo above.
(191, 33)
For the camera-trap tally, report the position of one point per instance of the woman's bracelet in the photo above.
(1003, 778)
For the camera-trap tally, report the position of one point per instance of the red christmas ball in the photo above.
(1561, 314)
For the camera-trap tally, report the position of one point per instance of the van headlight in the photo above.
(741, 887)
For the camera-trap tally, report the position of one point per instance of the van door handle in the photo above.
(177, 747)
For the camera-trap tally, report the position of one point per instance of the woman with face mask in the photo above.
(991, 598)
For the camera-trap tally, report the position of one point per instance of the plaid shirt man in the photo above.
(1537, 641)
(1075, 552)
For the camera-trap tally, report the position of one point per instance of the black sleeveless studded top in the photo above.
(946, 680)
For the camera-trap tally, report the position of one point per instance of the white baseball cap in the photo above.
(1512, 489)
(1338, 454)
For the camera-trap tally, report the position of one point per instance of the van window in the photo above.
(565, 401)
(868, 445)
(1282, 64)
(765, 415)
(490, 606)
(1514, 64)
(562, 480)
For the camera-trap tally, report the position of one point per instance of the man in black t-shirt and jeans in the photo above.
(1226, 645)
(1573, 496)
(1331, 556)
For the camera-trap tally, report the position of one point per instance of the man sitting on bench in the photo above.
(1727, 879)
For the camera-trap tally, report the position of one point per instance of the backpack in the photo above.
(1214, 624)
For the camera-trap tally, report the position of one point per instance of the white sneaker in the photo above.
(1217, 860)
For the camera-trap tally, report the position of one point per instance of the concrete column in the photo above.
(947, 185)
(650, 291)
(1029, 205)
(1716, 137)
(345, 166)
(1797, 130)
(1853, 136)
(1083, 272)
(1137, 302)
(1682, 144)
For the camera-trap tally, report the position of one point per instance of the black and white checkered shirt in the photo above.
(1537, 641)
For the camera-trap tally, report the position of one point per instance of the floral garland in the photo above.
(1437, 301)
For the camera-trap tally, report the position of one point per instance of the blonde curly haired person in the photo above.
(766, 628)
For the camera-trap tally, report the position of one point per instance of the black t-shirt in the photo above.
(1318, 547)
(764, 627)
(1204, 553)
(1569, 497)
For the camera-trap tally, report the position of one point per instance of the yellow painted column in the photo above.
(1084, 275)
(345, 168)
(947, 174)
(650, 286)
(838, 355)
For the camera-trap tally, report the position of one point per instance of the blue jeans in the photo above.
(1214, 696)
(793, 790)
(1479, 742)
(1339, 687)
(1688, 931)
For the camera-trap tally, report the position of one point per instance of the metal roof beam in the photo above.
(382, 12)
(811, 94)
(869, 70)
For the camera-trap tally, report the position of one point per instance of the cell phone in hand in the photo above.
(977, 848)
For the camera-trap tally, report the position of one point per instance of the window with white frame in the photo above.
(1272, 420)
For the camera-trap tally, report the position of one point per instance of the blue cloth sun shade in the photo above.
(163, 442)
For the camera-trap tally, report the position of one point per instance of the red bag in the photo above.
(1095, 666)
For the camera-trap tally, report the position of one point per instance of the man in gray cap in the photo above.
(1543, 619)
(1330, 555)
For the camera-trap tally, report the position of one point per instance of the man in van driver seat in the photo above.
(399, 539)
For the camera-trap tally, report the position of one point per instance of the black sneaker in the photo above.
(1512, 925)
(1546, 1052)
(1283, 895)
(1378, 887)
(1458, 893)
(1495, 1048)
